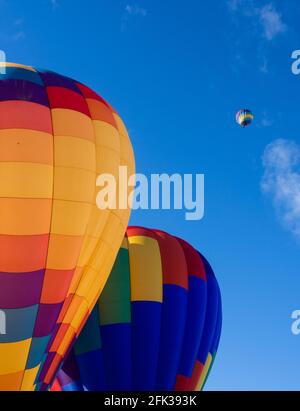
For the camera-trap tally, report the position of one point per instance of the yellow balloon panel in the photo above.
(26, 180)
(70, 217)
(146, 269)
(9, 363)
(74, 152)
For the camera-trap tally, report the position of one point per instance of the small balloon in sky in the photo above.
(244, 117)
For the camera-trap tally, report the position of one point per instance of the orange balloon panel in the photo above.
(56, 247)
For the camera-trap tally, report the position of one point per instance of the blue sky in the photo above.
(177, 71)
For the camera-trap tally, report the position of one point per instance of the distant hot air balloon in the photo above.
(244, 117)
(56, 247)
(156, 325)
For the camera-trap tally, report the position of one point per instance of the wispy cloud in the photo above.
(264, 23)
(265, 121)
(136, 10)
(281, 181)
(130, 11)
(269, 18)
(271, 21)
(264, 67)
(19, 33)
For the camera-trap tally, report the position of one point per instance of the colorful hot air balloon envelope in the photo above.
(156, 325)
(244, 117)
(56, 247)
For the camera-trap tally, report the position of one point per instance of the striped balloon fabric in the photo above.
(56, 247)
(156, 325)
(244, 117)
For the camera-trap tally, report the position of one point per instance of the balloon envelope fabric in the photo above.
(244, 117)
(56, 247)
(156, 325)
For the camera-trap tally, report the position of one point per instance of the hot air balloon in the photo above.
(56, 247)
(244, 117)
(156, 325)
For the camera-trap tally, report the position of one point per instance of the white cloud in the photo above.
(281, 181)
(135, 10)
(130, 11)
(265, 121)
(264, 67)
(271, 21)
(19, 33)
